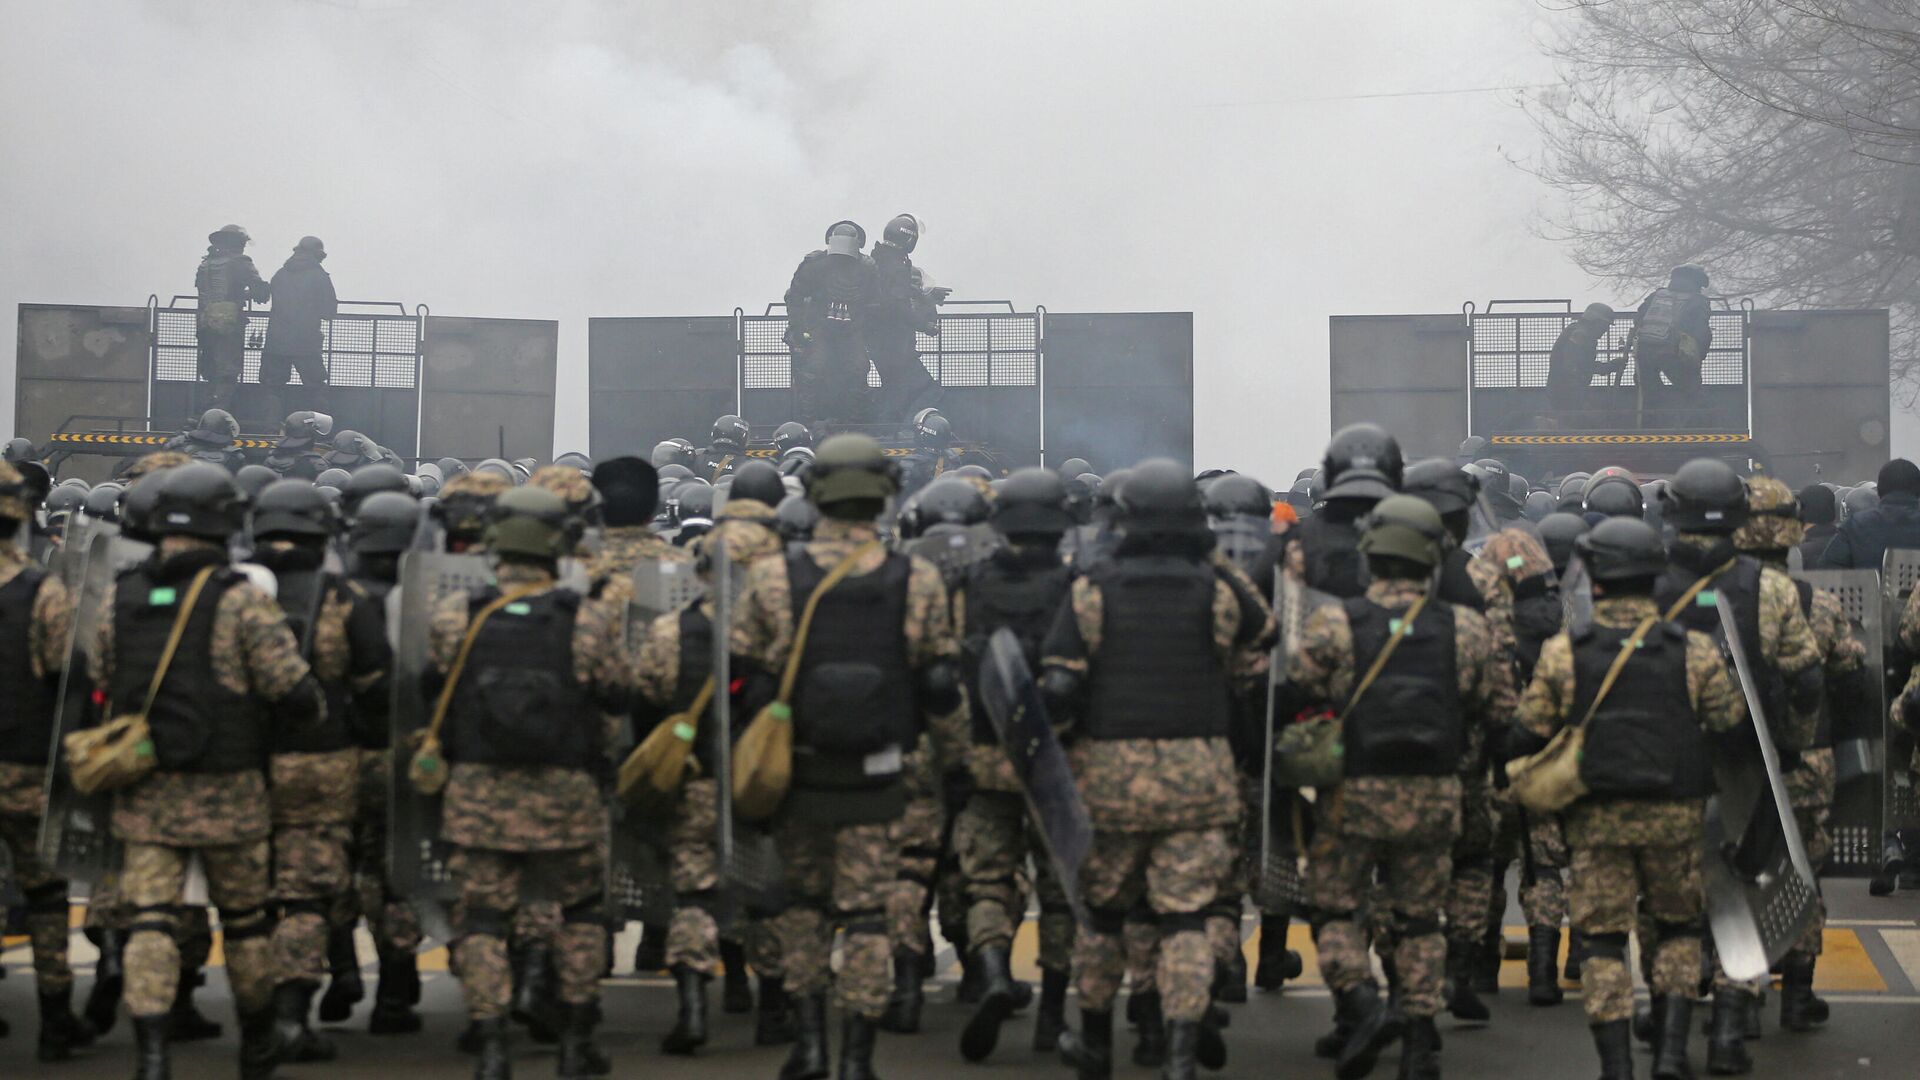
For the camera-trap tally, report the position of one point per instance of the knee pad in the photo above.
(1318, 918)
(1056, 910)
(1672, 931)
(245, 923)
(1223, 910)
(591, 910)
(290, 908)
(704, 900)
(1106, 920)
(159, 919)
(1607, 946)
(482, 921)
(1174, 922)
(914, 877)
(864, 921)
(48, 899)
(1413, 928)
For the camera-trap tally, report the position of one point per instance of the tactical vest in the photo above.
(1823, 730)
(1025, 600)
(199, 725)
(1645, 741)
(517, 701)
(1538, 613)
(1739, 587)
(696, 663)
(854, 692)
(1456, 585)
(27, 707)
(1157, 674)
(298, 590)
(1334, 564)
(1659, 329)
(1409, 722)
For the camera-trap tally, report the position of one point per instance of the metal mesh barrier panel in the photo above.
(972, 349)
(361, 349)
(1511, 349)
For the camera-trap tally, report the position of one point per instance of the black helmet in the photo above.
(293, 508)
(310, 245)
(1472, 447)
(629, 491)
(1362, 462)
(1622, 548)
(229, 236)
(693, 501)
(307, 424)
(1106, 500)
(1688, 277)
(789, 435)
(253, 479)
(850, 468)
(351, 448)
(217, 426)
(1074, 466)
(933, 432)
(903, 231)
(577, 460)
(795, 517)
(1705, 496)
(1538, 507)
(64, 499)
(949, 501)
(796, 461)
(976, 472)
(1160, 494)
(1031, 502)
(758, 481)
(333, 478)
(729, 431)
(1404, 527)
(19, 450)
(675, 473)
(1572, 494)
(451, 467)
(672, 452)
(501, 468)
(1558, 532)
(1446, 487)
(197, 499)
(530, 522)
(103, 502)
(1614, 495)
(1235, 495)
(384, 524)
(136, 506)
(370, 480)
(846, 230)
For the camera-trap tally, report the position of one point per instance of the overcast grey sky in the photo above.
(561, 160)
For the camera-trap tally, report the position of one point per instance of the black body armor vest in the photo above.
(1538, 613)
(854, 692)
(517, 701)
(1002, 592)
(28, 704)
(1739, 587)
(1645, 742)
(1157, 674)
(1334, 563)
(1409, 722)
(1456, 585)
(696, 663)
(198, 725)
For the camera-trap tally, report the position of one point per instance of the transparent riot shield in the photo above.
(417, 860)
(1576, 592)
(1900, 800)
(750, 870)
(74, 837)
(659, 587)
(1761, 893)
(1243, 539)
(1012, 700)
(954, 548)
(1281, 879)
(1857, 806)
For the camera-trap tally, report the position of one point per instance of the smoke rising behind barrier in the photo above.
(563, 160)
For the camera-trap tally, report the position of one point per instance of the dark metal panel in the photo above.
(74, 359)
(488, 380)
(1821, 393)
(1407, 373)
(1119, 387)
(650, 379)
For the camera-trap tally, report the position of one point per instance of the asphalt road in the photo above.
(1869, 975)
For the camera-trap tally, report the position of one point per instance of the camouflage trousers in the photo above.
(493, 884)
(46, 897)
(392, 921)
(1177, 874)
(313, 797)
(1603, 887)
(993, 838)
(1470, 888)
(693, 866)
(1543, 864)
(1140, 941)
(1415, 877)
(918, 835)
(837, 875)
(108, 909)
(221, 358)
(152, 879)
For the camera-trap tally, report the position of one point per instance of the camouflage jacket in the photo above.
(1155, 785)
(1402, 807)
(541, 807)
(623, 547)
(1548, 702)
(48, 629)
(1508, 558)
(253, 653)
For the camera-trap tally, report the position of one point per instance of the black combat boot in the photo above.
(493, 1063)
(1051, 1018)
(736, 993)
(1462, 1002)
(579, 1057)
(1576, 953)
(857, 1034)
(259, 1046)
(1183, 1040)
(690, 1027)
(1230, 979)
(1371, 1027)
(1209, 1047)
(1150, 1027)
(982, 1033)
(1727, 1035)
(109, 977)
(909, 997)
(61, 1032)
(1420, 1054)
(809, 1060)
(294, 1039)
(1089, 1052)
(1616, 1050)
(651, 954)
(188, 1024)
(395, 996)
(971, 985)
(534, 1003)
(151, 1058)
(1328, 1045)
(1543, 966)
(1646, 1023)
(1674, 1022)
(1800, 1010)
(1893, 862)
(345, 989)
(773, 1018)
(1487, 959)
(1277, 962)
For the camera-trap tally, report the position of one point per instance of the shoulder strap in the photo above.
(1619, 662)
(466, 646)
(1401, 627)
(173, 638)
(834, 577)
(1697, 588)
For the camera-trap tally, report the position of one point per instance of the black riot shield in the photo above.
(1899, 571)
(74, 837)
(750, 870)
(1857, 807)
(417, 860)
(1281, 880)
(954, 548)
(1012, 700)
(1761, 893)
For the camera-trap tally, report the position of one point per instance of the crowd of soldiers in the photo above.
(1187, 642)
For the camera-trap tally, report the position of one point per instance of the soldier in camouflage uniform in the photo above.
(1159, 641)
(527, 732)
(237, 677)
(36, 619)
(1398, 811)
(315, 772)
(1647, 768)
(462, 508)
(674, 665)
(879, 656)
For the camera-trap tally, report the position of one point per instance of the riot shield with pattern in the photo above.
(1860, 754)
(1900, 799)
(1280, 879)
(417, 859)
(1243, 540)
(750, 870)
(74, 837)
(1761, 893)
(1012, 700)
(659, 587)
(954, 548)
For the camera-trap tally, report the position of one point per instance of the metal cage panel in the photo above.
(1510, 350)
(972, 349)
(370, 350)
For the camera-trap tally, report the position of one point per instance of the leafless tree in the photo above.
(1775, 142)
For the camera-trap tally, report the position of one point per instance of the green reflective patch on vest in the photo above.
(517, 608)
(162, 597)
(1515, 562)
(1707, 598)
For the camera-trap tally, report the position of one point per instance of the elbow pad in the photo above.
(940, 688)
(1058, 688)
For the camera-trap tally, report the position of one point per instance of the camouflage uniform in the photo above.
(1402, 826)
(531, 830)
(1163, 811)
(1625, 849)
(842, 873)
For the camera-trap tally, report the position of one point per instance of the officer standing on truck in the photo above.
(225, 282)
(903, 305)
(1575, 360)
(303, 299)
(1672, 332)
(827, 308)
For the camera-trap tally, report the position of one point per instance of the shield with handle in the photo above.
(750, 871)
(1019, 717)
(1860, 754)
(1281, 879)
